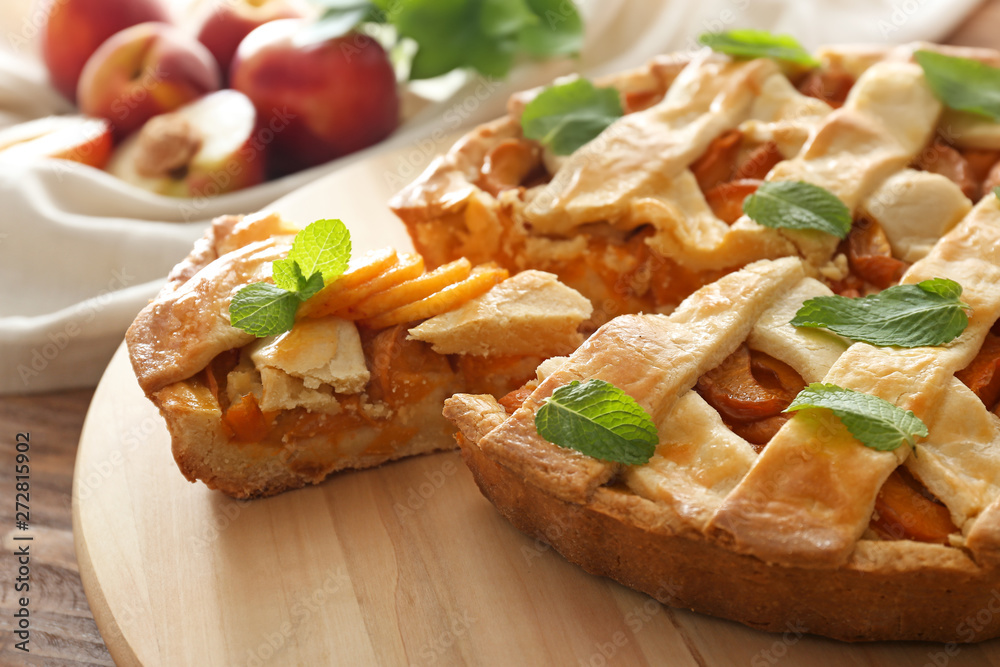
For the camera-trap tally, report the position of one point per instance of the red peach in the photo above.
(75, 28)
(142, 71)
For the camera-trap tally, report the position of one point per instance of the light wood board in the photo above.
(406, 564)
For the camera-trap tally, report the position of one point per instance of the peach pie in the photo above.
(758, 501)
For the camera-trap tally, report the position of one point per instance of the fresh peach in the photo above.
(322, 99)
(76, 138)
(222, 24)
(75, 28)
(142, 71)
(206, 148)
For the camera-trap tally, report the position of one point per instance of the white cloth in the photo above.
(81, 253)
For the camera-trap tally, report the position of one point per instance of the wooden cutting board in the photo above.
(406, 564)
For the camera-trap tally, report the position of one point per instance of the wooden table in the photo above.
(63, 631)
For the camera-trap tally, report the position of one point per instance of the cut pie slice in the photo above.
(360, 377)
(817, 529)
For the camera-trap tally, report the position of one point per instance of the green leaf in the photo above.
(263, 309)
(798, 205)
(311, 286)
(567, 116)
(339, 17)
(599, 420)
(323, 246)
(928, 313)
(961, 83)
(559, 31)
(484, 34)
(875, 422)
(501, 18)
(758, 44)
(996, 191)
(321, 251)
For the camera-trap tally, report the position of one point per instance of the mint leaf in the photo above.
(599, 420)
(928, 313)
(263, 309)
(484, 34)
(798, 205)
(961, 83)
(558, 32)
(323, 246)
(567, 116)
(287, 274)
(321, 251)
(758, 44)
(875, 422)
(338, 18)
(500, 18)
(996, 191)
(310, 286)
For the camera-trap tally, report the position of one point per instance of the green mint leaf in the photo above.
(262, 309)
(338, 18)
(483, 34)
(875, 422)
(567, 116)
(758, 44)
(321, 251)
(599, 420)
(310, 286)
(558, 32)
(943, 287)
(501, 18)
(996, 191)
(961, 83)
(287, 274)
(798, 205)
(323, 246)
(928, 313)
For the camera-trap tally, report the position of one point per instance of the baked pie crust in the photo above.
(626, 220)
(786, 535)
(327, 395)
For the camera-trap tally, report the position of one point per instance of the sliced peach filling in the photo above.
(750, 390)
(975, 171)
(829, 84)
(729, 171)
(982, 375)
(384, 293)
(905, 509)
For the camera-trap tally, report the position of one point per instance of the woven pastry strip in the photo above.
(809, 497)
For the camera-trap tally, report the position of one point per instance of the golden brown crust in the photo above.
(887, 591)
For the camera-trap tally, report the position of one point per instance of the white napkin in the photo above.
(81, 253)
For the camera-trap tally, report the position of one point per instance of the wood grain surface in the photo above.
(63, 630)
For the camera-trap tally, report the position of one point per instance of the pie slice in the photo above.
(651, 209)
(804, 525)
(361, 376)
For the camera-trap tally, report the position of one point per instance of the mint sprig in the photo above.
(598, 419)
(485, 35)
(961, 83)
(875, 422)
(758, 44)
(798, 205)
(319, 254)
(928, 313)
(567, 116)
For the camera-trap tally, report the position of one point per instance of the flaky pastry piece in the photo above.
(651, 209)
(792, 534)
(342, 389)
